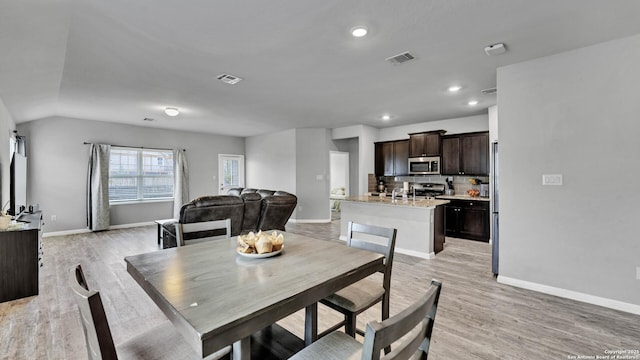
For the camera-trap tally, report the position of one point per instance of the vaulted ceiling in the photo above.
(123, 61)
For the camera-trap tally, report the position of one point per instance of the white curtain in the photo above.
(180, 182)
(98, 217)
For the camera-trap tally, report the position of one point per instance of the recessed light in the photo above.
(473, 103)
(171, 111)
(359, 31)
(386, 117)
(454, 88)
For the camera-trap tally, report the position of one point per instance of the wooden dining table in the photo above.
(216, 297)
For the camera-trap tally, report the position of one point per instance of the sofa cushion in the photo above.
(264, 193)
(252, 208)
(214, 207)
(276, 210)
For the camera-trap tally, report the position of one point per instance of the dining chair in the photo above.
(191, 233)
(416, 322)
(161, 342)
(358, 297)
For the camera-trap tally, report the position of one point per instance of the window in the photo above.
(140, 174)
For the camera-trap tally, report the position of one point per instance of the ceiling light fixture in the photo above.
(171, 111)
(454, 88)
(386, 117)
(473, 103)
(359, 31)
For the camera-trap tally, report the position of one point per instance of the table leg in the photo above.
(311, 324)
(242, 349)
(159, 233)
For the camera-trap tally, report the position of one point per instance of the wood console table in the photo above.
(20, 258)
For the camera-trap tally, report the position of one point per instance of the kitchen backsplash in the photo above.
(460, 183)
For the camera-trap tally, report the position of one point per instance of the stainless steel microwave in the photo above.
(424, 165)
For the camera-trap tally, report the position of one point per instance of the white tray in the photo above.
(261, 256)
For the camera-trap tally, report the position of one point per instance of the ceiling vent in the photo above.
(229, 79)
(489, 91)
(400, 58)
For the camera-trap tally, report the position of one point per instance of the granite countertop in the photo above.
(418, 203)
(463, 197)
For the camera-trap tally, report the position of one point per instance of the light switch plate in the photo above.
(552, 179)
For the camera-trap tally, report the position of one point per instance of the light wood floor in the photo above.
(477, 318)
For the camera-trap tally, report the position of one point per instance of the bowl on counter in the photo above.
(473, 192)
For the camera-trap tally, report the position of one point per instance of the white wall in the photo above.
(452, 126)
(58, 166)
(312, 175)
(575, 114)
(271, 161)
(7, 126)
(296, 161)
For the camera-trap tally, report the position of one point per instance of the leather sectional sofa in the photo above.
(248, 209)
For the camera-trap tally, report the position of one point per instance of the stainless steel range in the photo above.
(430, 190)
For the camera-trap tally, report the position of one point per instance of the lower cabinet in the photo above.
(467, 219)
(20, 258)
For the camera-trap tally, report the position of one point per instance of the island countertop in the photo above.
(418, 203)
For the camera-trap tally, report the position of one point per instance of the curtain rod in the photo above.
(134, 147)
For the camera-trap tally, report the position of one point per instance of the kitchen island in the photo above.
(420, 222)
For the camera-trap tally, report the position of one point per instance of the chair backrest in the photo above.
(416, 320)
(221, 229)
(386, 246)
(94, 320)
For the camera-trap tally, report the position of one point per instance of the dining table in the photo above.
(216, 297)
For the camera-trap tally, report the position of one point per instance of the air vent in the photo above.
(400, 58)
(229, 79)
(489, 91)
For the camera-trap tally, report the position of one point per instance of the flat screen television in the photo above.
(18, 184)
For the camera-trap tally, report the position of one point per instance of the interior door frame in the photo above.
(241, 170)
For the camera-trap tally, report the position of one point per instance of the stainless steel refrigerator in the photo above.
(496, 209)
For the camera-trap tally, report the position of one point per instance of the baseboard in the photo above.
(573, 295)
(65, 232)
(413, 253)
(84, 231)
(126, 226)
(309, 221)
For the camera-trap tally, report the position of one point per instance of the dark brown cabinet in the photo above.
(425, 144)
(20, 258)
(466, 154)
(391, 158)
(467, 219)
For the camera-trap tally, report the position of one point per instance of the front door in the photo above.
(230, 172)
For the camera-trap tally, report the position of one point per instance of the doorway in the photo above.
(339, 180)
(230, 172)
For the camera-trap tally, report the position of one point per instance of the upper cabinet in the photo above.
(391, 158)
(466, 154)
(425, 143)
